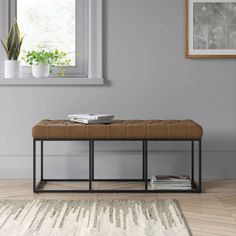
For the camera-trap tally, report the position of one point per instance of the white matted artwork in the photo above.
(210, 28)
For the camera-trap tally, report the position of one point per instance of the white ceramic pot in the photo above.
(12, 69)
(40, 70)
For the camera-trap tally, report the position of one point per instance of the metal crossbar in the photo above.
(39, 187)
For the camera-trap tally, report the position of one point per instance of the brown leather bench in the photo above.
(130, 130)
(119, 129)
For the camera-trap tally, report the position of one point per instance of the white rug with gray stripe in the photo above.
(91, 218)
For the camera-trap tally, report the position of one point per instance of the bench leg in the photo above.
(200, 165)
(91, 163)
(145, 163)
(42, 176)
(34, 166)
(39, 185)
(192, 161)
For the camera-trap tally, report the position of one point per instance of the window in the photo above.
(51, 24)
(73, 26)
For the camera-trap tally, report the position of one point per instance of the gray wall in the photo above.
(147, 77)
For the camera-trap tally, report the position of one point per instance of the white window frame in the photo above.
(93, 41)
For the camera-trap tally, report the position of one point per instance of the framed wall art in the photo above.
(210, 28)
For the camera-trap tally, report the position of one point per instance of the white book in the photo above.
(169, 187)
(170, 178)
(87, 121)
(92, 116)
(159, 184)
(172, 188)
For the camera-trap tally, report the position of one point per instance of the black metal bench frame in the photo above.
(38, 187)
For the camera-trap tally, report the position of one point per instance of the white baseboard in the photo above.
(216, 165)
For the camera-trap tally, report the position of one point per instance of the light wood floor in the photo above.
(210, 213)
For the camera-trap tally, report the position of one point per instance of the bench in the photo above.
(120, 130)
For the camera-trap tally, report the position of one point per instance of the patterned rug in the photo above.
(90, 218)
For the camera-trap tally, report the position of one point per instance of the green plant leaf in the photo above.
(10, 38)
(14, 54)
(17, 29)
(21, 41)
(11, 49)
(4, 44)
(62, 72)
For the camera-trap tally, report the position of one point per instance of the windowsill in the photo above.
(51, 81)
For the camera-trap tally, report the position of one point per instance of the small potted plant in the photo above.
(44, 60)
(12, 46)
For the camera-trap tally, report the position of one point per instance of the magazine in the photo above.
(171, 182)
(89, 121)
(91, 116)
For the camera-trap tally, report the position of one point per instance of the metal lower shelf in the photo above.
(41, 184)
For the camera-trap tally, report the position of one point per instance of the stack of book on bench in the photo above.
(92, 118)
(169, 182)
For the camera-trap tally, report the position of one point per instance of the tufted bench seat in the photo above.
(119, 129)
(127, 130)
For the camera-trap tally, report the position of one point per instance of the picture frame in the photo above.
(210, 28)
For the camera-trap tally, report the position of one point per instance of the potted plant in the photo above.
(44, 60)
(12, 46)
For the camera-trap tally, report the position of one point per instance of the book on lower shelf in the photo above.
(168, 182)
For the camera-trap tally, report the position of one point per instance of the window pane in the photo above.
(48, 23)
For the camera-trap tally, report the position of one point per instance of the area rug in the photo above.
(91, 218)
